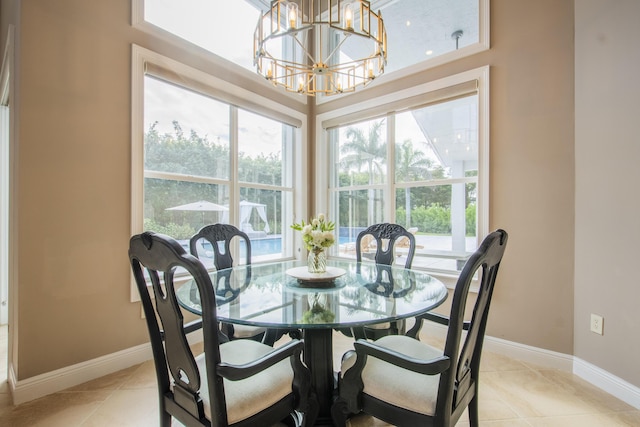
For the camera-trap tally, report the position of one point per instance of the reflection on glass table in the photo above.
(266, 295)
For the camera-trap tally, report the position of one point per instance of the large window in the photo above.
(201, 157)
(421, 34)
(417, 165)
(222, 27)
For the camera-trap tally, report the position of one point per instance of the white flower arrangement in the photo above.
(317, 234)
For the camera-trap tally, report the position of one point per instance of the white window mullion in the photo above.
(234, 187)
(390, 210)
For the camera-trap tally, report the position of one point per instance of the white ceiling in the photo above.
(432, 22)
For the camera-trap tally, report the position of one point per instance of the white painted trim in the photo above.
(521, 352)
(529, 354)
(600, 378)
(480, 75)
(60, 379)
(605, 381)
(233, 95)
(482, 45)
(202, 54)
(70, 376)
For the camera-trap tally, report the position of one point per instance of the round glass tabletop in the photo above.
(269, 295)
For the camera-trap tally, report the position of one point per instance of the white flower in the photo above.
(318, 237)
(317, 234)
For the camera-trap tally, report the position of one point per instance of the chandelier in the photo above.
(320, 46)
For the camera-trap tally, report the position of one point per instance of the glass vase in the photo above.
(317, 261)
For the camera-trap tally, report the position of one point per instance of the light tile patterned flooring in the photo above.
(512, 394)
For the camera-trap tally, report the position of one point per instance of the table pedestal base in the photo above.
(318, 356)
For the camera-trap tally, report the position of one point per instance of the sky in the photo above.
(226, 37)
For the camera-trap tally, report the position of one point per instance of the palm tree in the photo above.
(411, 165)
(368, 150)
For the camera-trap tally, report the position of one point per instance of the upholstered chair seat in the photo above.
(407, 383)
(250, 396)
(238, 383)
(395, 385)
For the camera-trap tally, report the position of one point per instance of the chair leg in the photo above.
(165, 419)
(473, 412)
(339, 413)
(313, 409)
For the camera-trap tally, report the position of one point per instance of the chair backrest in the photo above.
(384, 284)
(455, 382)
(157, 257)
(390, 233)
(215, 233)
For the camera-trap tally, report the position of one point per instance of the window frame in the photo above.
(398, 102)
(238, 98)
(139, 23)
(483, 44)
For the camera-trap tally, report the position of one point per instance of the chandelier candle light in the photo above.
(320, 46)
(317, 236)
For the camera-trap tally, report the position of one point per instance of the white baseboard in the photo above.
(600, 378)
(526, 353)
(51, 382)
(70, 376)
(512, 349)
(60, 379)
(605, 381)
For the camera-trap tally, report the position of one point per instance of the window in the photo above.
(421, 34)
(202, 156)
(222, 27)
(420, 162)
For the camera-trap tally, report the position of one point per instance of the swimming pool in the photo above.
(262, 246)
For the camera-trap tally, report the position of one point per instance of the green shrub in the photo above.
(470, 218)
(179, 232)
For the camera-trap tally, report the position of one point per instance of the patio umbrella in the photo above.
(200, 206)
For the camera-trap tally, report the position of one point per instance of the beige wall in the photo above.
(607, 172)
(532, 170)
(74, 174)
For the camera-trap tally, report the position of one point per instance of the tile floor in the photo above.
(513, 394)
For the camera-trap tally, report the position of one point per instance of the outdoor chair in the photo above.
(405, 382)
(237, 383)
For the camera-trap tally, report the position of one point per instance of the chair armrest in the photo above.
(193, 326)
(240, 372)
(427, 367)
(443, 320)
(437, 318)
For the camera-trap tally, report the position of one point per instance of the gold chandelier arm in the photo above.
(303, 47)
(336, 49)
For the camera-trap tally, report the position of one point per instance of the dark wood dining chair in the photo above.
(386, 237)
(405, 382)
(219, 237)
(238, 383)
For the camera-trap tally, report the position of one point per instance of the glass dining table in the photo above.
(349, 296)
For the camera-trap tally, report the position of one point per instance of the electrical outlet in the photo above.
(597, 324)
